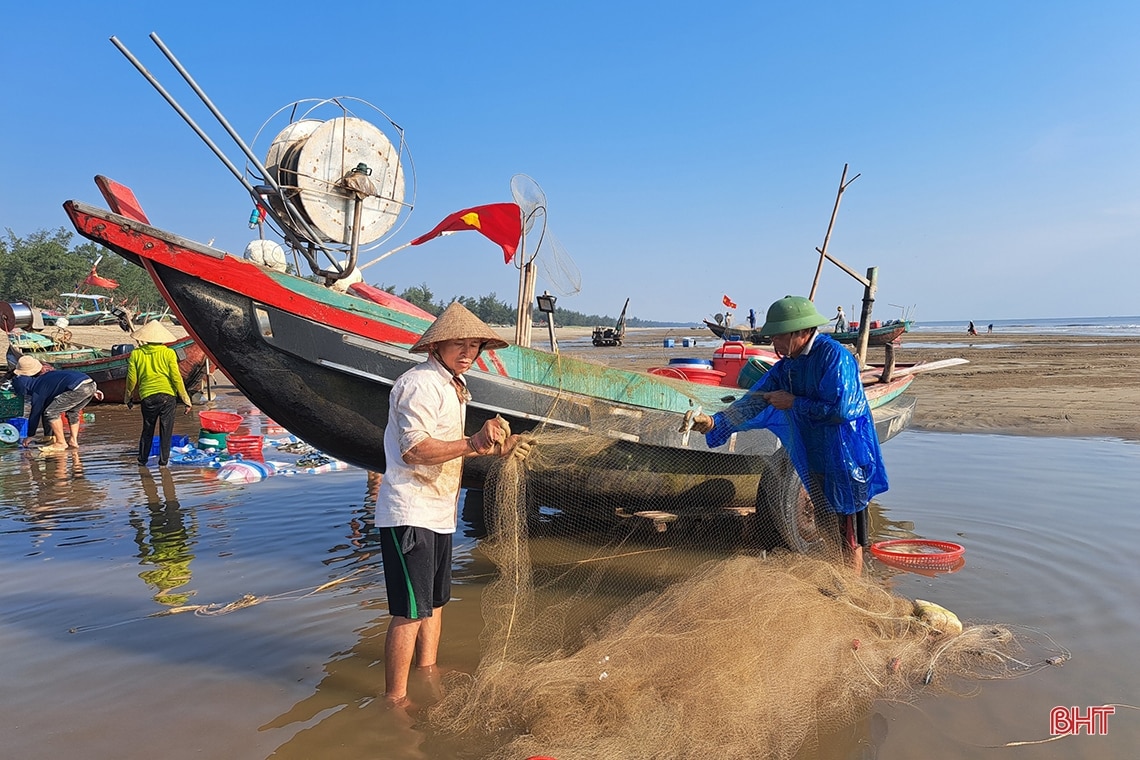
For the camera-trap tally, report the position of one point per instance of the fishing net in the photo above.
(617, 630)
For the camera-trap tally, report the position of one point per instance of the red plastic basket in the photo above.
(918, 552)
(220, 422)
(249, 446)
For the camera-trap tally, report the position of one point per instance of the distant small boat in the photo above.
(750, 334)
(75, 316)
(886, 332)
(79, 319)
(109, 368)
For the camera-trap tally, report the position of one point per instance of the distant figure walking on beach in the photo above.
(53, 394)
(971, 330)
(840, 320)
(990, 329)
(152, 368)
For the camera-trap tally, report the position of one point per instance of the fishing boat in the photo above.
(877, 335)
(108, 368)
(321, 360)
(750, 334)
(321, 363)
(887, 332)
(77, 314)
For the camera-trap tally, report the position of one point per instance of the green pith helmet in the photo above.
(791, 313)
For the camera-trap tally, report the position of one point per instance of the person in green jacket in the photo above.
(152, 370)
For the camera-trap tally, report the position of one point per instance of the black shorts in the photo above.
(417, 570)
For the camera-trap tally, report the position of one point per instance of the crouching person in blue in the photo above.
(813, 400)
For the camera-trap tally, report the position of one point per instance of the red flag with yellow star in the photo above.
(499, 222)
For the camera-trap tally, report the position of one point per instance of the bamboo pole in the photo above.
(843, 183)
(865, 317)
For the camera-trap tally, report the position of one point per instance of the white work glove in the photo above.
(702, 423)
(519, 446)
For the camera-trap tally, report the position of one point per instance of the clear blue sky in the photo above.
(687, 151)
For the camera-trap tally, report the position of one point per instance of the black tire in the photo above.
(784, 507)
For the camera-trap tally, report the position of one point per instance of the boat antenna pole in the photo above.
(181, 112)
(254, 192)
(249, 154)
(843, 183)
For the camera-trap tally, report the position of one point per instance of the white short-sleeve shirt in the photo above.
(423, 404)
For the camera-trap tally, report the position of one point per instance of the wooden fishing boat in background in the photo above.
(108, 368)
(77, 314)
(750, 334)
(886, 332)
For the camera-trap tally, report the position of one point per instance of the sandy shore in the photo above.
(1013, 384)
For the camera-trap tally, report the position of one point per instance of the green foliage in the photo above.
(40, 266)
(421, 296)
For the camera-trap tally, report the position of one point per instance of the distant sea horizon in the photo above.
(1098, 326)
(1092, 326)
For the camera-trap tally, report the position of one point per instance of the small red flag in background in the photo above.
(728, 302)
(499, 222)
(100, 282)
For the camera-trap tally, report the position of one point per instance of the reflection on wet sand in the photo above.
(164, 541)
(56, 481)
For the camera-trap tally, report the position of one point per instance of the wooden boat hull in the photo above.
(110, 372)
(322, 363)
(878, 336)
(750, 334)
(79, 320)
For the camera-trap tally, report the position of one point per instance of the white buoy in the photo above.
(267, 253)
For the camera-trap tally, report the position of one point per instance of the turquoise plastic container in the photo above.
(752, 371)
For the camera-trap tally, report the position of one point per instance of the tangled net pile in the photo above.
(607, 639)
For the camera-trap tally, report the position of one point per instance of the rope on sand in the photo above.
(216, 608)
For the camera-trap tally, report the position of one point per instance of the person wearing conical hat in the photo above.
(152, 370)
(54, 394)
(417, 501)
(813, 400)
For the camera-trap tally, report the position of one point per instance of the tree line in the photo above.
(37, 268)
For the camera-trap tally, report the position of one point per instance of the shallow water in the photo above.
(95, 554)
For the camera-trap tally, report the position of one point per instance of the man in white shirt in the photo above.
(417, 502)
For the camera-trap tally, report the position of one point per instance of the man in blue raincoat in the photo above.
(813, 400)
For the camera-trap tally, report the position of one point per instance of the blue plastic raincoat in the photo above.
(828, 431)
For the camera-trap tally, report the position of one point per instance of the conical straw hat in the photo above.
(153, 332)
(457, 323)
(28, 366)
